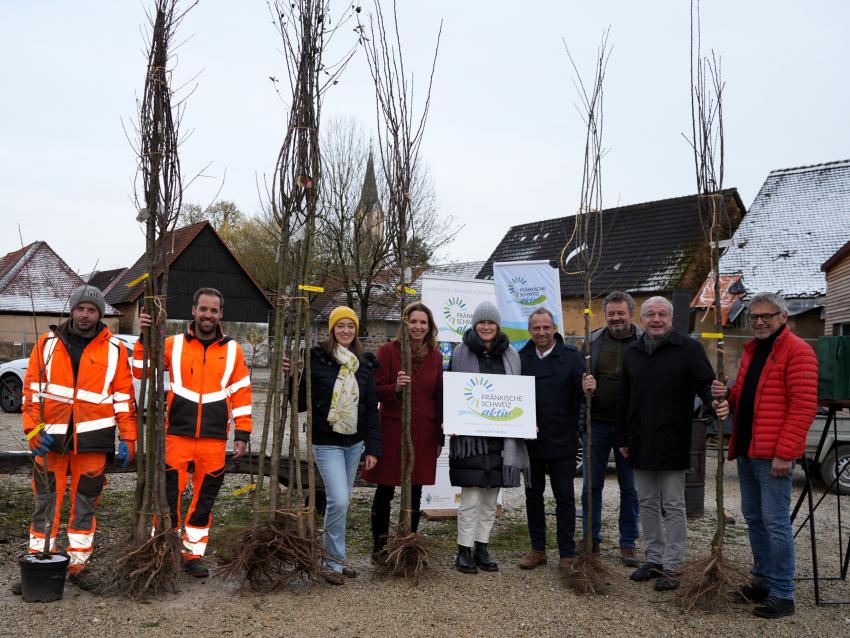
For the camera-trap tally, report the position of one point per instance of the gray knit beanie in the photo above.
(486, 312)
(88, 294)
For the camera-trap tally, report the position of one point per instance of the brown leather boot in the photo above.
(534, 558)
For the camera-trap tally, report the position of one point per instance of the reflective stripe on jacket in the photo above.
(209, 386)
(100, 397)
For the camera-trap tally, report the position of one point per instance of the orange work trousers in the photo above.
(87, 482)
(207, 455)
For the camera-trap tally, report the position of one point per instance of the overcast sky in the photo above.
(504, 141)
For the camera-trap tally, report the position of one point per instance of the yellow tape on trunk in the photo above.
(242, 490)
(138, 280)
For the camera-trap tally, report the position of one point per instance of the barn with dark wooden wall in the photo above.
(198, 256)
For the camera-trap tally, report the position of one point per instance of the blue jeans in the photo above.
(603, 442)
(338, 467)
(766, 505)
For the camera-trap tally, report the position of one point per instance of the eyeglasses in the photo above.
(660, 315)
(764, 316)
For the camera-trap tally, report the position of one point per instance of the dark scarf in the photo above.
(653, 344)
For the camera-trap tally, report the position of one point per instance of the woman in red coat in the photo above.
(426, 379)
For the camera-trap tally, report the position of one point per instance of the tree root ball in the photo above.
(709, 583)
(268, 557)
(587, 575)
(140, 570)
(405, 557)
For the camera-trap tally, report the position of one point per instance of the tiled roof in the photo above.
(461, 270)
(35, 278)
(103, 279)
(798, 220)
(645, 247)
(176, 243)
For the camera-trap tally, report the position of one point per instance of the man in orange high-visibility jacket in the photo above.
(77, 387)
(210, 385)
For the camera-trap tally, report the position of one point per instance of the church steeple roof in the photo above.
(369, 192)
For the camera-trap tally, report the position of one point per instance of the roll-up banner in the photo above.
(521, 288)
(452, 301)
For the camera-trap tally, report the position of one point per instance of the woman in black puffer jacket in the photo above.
(481, 465)
(345, 424)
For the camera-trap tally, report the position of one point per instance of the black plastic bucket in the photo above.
(43, 578)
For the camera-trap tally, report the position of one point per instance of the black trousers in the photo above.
(561, 473)
(381, 505)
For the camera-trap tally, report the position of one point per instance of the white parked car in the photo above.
(12, 377)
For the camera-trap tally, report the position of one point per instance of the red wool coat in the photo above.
(786, 398)
(427, 417)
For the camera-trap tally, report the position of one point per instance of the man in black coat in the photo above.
(661, 373)
(557, 369)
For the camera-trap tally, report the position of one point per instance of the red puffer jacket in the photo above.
(786, 398)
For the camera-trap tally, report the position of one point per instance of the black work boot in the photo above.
(16, 588)
(196, 568)
(464, 561)
(379, 548)
(646, 572)
(84, 580)
(752, 592)
(774, 607)
(482, 558)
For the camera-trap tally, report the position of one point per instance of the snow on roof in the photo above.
(800, 217)
(35, 278)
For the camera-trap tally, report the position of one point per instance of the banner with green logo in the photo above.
(521, 288)
(452, 301)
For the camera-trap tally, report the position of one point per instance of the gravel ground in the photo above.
(511, 602)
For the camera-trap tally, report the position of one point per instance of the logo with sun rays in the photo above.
(457, 315)
(483, 400)
(524, 294)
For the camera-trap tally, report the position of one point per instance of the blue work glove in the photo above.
(40, 443)
(126, 452)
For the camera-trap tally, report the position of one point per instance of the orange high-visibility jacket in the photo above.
(99, 398)
(209, 386)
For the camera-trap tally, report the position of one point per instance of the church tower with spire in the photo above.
(369, 212)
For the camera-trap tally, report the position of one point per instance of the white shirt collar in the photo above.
(545, 354)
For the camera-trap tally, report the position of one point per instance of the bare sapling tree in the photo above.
(41, 470)
(709, 581)
(399, 138)
(580, 257)
(150, 563)
(283, 543)
(356, 250)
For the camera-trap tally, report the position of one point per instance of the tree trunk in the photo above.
(587, 452)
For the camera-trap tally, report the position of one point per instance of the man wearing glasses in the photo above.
(661, 373)
(774, 399)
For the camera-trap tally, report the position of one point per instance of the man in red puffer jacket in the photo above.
(774, 401)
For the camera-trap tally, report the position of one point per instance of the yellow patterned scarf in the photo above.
(346, 395)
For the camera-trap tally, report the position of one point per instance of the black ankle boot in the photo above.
(482, 558)
(379, 548)
(464, 562)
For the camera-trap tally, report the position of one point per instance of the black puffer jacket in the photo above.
(557, 383)
(481, 470)
(324, 372)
